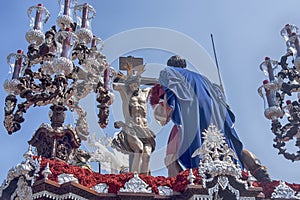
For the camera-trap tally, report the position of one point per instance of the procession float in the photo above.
(205, 158)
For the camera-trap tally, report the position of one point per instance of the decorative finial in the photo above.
(250, 179)
(191, 177)
(28, 154)
(46, 172)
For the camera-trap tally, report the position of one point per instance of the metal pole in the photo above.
(216, 60)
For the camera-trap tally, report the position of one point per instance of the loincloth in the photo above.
(145, 135)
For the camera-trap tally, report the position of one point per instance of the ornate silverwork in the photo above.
(218, 163)
(223, 182)
(65, 178)
(284, 191)
(136, 185)
(100, 188)
(279, 92)
(46, 172)
(27, 169)
(58, 69)
(217, 156)
(165, 191)
(23, 190)
(251, 179)
(36, 37)
(191, 177)
(51, 195)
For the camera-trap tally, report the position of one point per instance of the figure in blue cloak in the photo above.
(195, 103)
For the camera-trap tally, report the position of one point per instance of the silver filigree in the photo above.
(29, 153)
(222, 183)
(284, 191)
(284, 32)
(47, 68)
(81, 123)
(64, 21)
(11, 86)
(101, 188)
(46, 13)
(23, 190)
(217, 156)
(136, 185)
(28, 169)
(62, 65)
(85, 35)
(165, 191)
(8, 122)
(36, 37)
(65, 178)
(218, 161)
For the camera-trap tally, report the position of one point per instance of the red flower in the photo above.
(116, 181)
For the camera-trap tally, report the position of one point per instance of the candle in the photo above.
(270, 95)
(288, 30)
(94, 42)
(85, 11)
(67, 7)
(18, 65)
(66, 45)
(38, 17)
(296, 42)
(269, 69)
(106, 78)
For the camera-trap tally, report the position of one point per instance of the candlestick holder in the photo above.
(281, 94)
(58, 70)
(35, 35)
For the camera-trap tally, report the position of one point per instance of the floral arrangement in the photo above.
(115, 182)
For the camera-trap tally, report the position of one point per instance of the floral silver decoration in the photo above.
(223, 182)
(68, 69)
(27, 169)
(36, 37)
(47, 68)
(85, 35)
(10, 86)
(38, 8)
(100, 188)
(65, 178)
(81, 126)
(62, 65)
(136, 185)
(165, 191)
(217, 161)
(216, 155)
(23, 190)
(280, 93)
(283, 191)
(64, 21)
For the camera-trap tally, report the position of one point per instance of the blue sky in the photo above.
(244, 33)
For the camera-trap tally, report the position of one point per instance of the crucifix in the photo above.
(135, 137)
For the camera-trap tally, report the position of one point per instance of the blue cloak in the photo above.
(197, 103)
